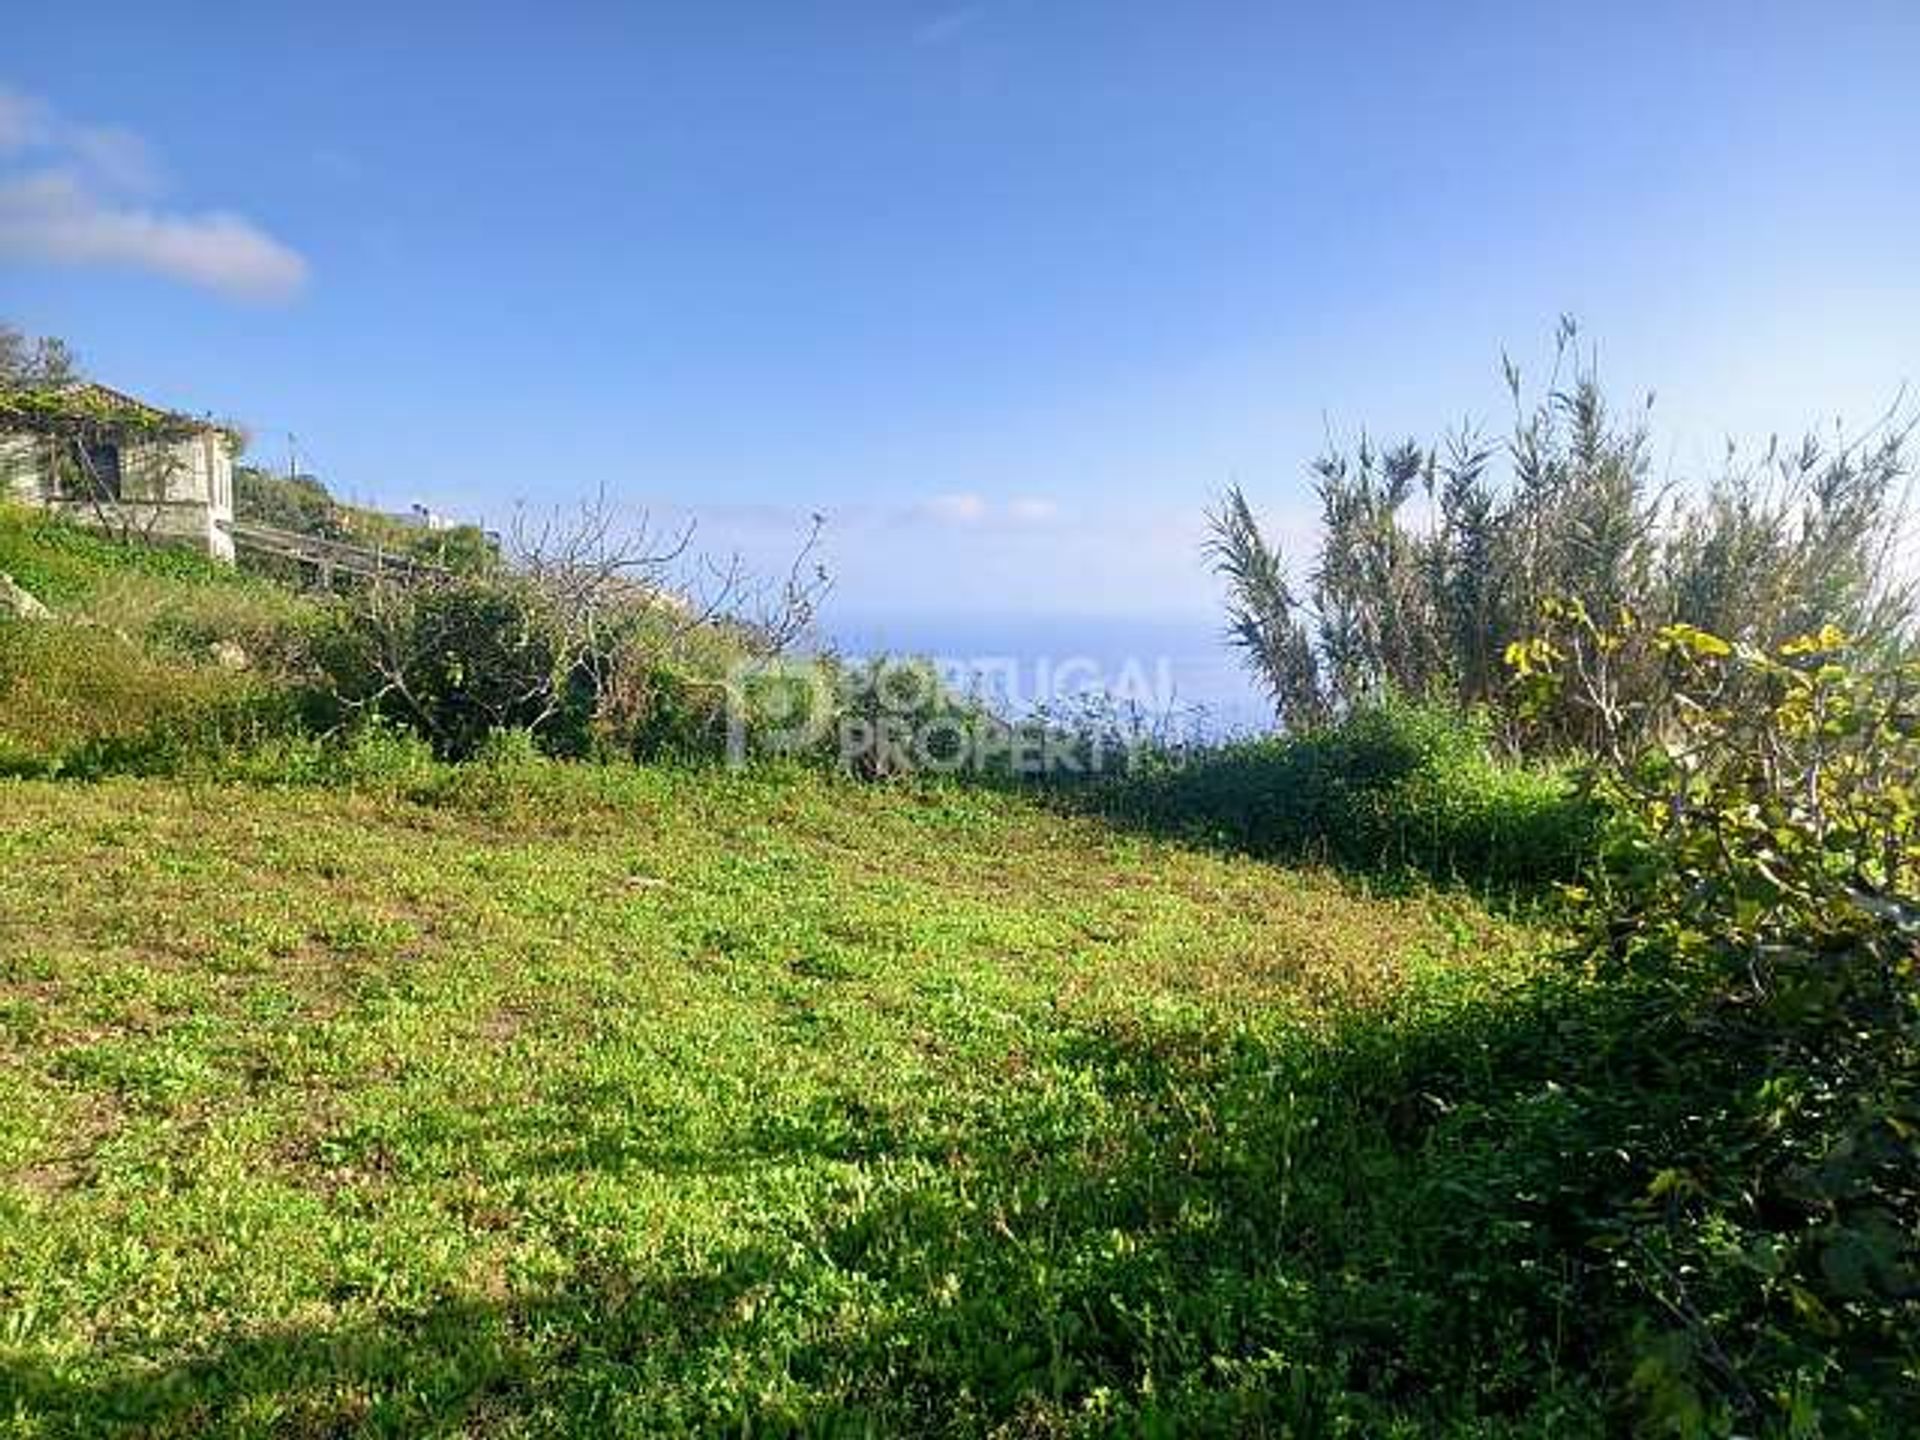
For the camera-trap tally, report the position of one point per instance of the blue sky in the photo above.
(1008, 290)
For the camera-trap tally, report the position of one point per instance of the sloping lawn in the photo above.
(620, 1101)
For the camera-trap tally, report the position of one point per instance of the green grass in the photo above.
(128, 678)
(66, 564)
(344, 1092)
(596, 1101)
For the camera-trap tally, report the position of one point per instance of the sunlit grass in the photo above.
(589, 1099)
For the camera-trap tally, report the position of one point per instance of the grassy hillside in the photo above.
(347, 1090)
(132, 670)
(604, 1100)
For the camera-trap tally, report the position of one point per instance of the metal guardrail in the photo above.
(331, 557)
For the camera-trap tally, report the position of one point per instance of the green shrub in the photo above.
(664, 690)
(510, 750)
(454, 662)
(898, 716)
(1760, 904)
(377, 754)
(459, 660)
(1394, 785)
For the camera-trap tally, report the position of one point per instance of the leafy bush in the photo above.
(510, 750)
(378, 755)
(454, 661)
(895, 716)
(665, 687)
(1394, 785)
(1760, 915)
(461, 660)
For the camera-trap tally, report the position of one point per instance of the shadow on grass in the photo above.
(561, 1362)
(1407, 1229)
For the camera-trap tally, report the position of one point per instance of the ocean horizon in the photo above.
(1180, 668)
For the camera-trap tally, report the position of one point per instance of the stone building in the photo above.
(107, 459)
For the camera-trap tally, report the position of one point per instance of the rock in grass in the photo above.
(20, 603)
(229, 655)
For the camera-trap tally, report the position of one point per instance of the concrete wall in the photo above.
(180, 491)
(23, 463)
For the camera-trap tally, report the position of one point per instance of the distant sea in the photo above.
(1183, 669)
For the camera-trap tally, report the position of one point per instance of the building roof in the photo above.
(90, 407)
(92, 391)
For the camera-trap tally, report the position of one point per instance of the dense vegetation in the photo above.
(1434, 559)
(1395, 787)
(165, 663)
(1731, 671)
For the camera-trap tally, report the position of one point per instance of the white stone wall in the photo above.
(180, 491)
(22, 465)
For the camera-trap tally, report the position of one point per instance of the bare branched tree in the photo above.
(42, 363)
(591, 616)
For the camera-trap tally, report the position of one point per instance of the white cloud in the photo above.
(80, 195)
(940, 28)
(1032, 510)
(962, 508)
(969, 510)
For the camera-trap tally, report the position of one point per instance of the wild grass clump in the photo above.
(83, 700)
(251, 623)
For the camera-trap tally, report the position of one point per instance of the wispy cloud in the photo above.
(1032, 510)
(947, 25)
(963, 508)
(73, 194)
(966, 509)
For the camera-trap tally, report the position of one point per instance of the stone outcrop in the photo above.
(18, 603)
(229, 655)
